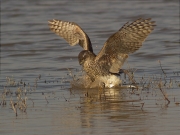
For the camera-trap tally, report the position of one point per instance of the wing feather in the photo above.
(127, 40)
(71, 32)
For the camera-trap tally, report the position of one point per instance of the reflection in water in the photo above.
(101, 108)
(91, 109)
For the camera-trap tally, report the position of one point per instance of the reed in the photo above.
(140, 89)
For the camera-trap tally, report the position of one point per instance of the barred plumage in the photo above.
(115, 50)
(71, 32)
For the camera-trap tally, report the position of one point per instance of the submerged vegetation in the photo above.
(15, 94)
(135, 89)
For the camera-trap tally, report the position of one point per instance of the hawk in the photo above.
(104, 67)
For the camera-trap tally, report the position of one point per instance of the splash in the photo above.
(101, 82)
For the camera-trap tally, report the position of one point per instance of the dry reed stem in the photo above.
(165, 96)
(162, 68)
(142, 105)
(131, 78)
(46, 99)
(14, 107)
(71, 74)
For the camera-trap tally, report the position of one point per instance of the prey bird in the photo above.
(104, 67)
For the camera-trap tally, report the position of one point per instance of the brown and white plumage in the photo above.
(72, 33)
(114, 52)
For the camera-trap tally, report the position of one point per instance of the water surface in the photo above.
(30, 49)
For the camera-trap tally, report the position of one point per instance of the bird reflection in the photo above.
(116, 104)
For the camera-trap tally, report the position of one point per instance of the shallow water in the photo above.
(30, 49)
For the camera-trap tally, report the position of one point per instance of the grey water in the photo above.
(30, 49)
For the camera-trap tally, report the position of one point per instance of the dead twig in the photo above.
(14, 107)
(46, 100)
(131, 78)
(142, 105)
(162, 68)
(71, 74)
(165, 97)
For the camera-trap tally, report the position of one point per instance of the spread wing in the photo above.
(71, 32)
(127, 40)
